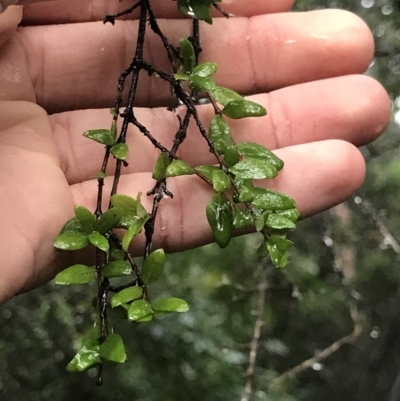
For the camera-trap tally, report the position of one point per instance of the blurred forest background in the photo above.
(343, 275)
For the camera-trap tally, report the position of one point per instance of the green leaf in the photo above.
(220, 217)
(170, 305)
(254, 169)
(141, 211)
(221, 181)
(126, 295)
(177, 168)
(133, 230)
(104, 136)
(153, 266)
(75, 275)
(160, 166)
(139, 310)
(181, 77)
(267, 199)
(277, 247)
(99, 241)
(113, 349)
(201, 84)
(246, 191)
(87, 357)
(120, 151)
(117, 268)
(72, 225)
(231, 156)
(86, 219)
(116, 252)
(224, 96)
(113, 112)
(128, 209)
(187, 54)
(256, 151)
(243, 108)
(199, 9)
(242, 218)
(291, 214)
(108, 220)
(246, 194)
(220, 134)
(205, 69)
(207, 171)
(279, 222)
(71, 241)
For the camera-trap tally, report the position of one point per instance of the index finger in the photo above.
(70, 11)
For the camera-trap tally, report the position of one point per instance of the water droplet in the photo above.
(375, 332)
(317, 366)
(386, 10)
(367, 3)
(357, 200)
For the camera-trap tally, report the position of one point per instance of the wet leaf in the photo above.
(291, 214)
(75, 275)
(242, 218)
(177, 168)
(160, 166)
(153, 266)
(126, 295)
(224, 96)
(120, 151)
(207, 171)
(87, 357)
(237, 109)
(267, 199)
(221, 181)
(108, 220)
(72, 225)
(113, 349)
(188, 56)
(181, 77)
(99, 241)
(71, 241)
(170, 305)
(117, 268)
(256, 151)
(205, 69)
(220, 217)
(231, 156)
(277, 248)
(279, 222)
(128, 208)
(104, 136)
(134, 229)
(220, 134)
(85, 218)
(201, 84)
(139, 310)
(254, 169)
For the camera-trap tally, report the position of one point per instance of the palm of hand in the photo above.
(46, 166)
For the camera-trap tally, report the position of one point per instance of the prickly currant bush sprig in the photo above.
(237, 201)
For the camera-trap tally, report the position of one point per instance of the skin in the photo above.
(58, 74)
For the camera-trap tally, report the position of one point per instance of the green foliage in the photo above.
(153, 266)
(77, 274)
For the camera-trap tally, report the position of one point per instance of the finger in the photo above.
(67, 11)
(353, 108)
(79, 69)
(317, 175)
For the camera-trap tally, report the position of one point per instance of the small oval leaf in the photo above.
(71, 241)
(87, 357)
(267, 199)
(177, 168)
(139, 310)
(220, 217)
(256, 151)
(253, 169)
(220, 134)
(104, 136)
(120, 151)
(153, 266)
(117, 268)
(206, 69)
(113, 349)
(99, 241)
(160, 166)
(170, 305)
(86, 219)
(224, 96)
(75, 275)
(108, 220)
(221, 181)
(243, 108)
(126, 295)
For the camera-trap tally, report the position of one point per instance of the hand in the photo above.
(58, 79)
